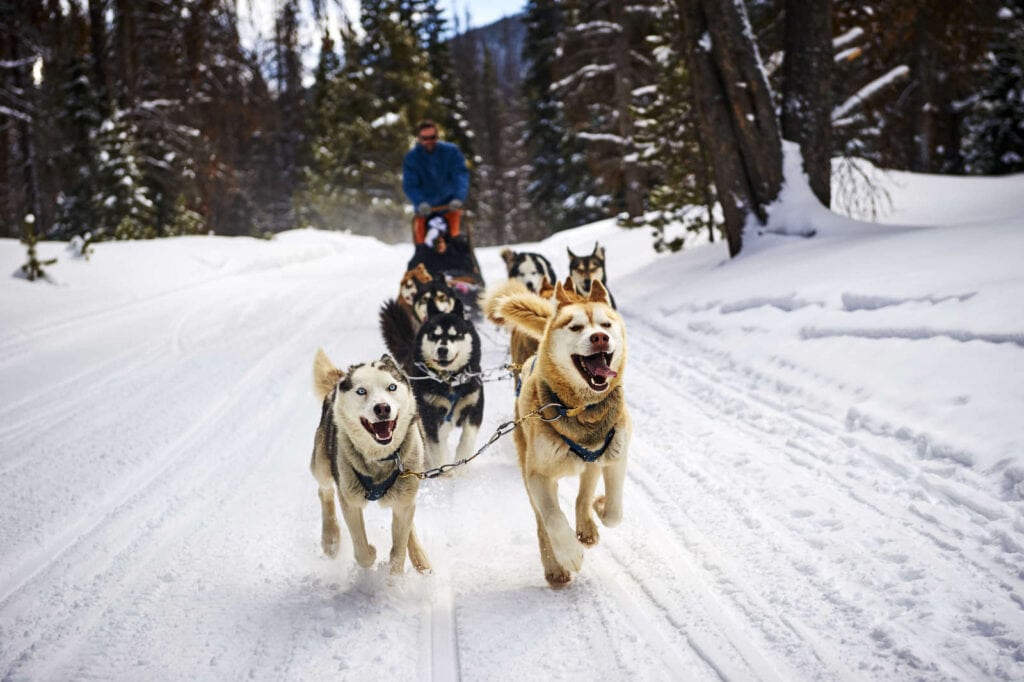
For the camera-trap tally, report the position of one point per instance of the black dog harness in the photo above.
(375, 491)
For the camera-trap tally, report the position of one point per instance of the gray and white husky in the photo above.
(369, 433)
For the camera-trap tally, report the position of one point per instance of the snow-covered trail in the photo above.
(161, 522)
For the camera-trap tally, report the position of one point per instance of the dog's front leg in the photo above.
(586, 527)
(330, 534)
(564, 546)
(609, 505)
(466, 441)
(365, 553)
(416, 554)
(401, 527)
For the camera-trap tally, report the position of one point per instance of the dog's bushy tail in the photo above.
(493, 296)
(399, 334)
(325, 375)
(513, 306)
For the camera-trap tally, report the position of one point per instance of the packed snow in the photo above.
(826, 479)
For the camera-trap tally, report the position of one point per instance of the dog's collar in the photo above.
(557, 404)
(375, 491)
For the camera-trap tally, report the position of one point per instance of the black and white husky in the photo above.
(529, 268)
(442, 361)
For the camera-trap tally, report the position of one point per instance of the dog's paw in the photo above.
(422, 567)
(330, 546)
(568, 552)
(558, 577)
(586, 531)
(610, 518)
(366, 559)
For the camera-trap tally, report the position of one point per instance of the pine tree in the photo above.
(558, 182)
(124, 208)
(447, 107)
(994, 128)
(33, 268)
(682, 192)
(354, 177)
(603, 58)
(79, 121)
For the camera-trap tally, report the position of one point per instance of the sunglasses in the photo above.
(428, 138)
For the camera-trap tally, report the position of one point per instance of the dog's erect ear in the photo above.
(390, 364)
(564, 297)
(458, 308)
(598, 293)
(325, 375)
(570, 285)
(546, 288)
(598, 251)
(509, 256)
(571, 254)
(420, 272)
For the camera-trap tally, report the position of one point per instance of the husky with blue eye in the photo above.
(369, 434)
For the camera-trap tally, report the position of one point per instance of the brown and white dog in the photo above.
(369, 433)
(577, 375)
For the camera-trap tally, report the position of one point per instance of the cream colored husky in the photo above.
(577, 375)
(369, 433)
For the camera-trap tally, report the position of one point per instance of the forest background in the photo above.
(146, 118)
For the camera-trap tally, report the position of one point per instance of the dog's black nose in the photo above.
(382, 410)
(442, 351)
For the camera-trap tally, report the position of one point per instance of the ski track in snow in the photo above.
(193, 551)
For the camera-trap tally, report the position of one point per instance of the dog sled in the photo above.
(444, 245)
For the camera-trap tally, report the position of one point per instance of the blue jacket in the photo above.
(435, 178)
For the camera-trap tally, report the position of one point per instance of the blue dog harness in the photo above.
(589, 455)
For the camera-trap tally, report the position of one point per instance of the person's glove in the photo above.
(455, 204)
(423, 209)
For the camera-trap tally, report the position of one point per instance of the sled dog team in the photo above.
(384, 422)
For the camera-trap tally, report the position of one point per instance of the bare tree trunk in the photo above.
(98, 36)
(735, 110)
(807, 89)
(631, 180)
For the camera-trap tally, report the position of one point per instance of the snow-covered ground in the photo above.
(826, 479)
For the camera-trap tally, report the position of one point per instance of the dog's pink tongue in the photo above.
(598, 367)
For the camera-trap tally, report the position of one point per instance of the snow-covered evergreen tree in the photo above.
(682, 192)
(603, 58)
(994, 128)
(559, 181)
(354, 176)
(124, 209)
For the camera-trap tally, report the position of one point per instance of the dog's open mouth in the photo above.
(381, 431)
(595, 369)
